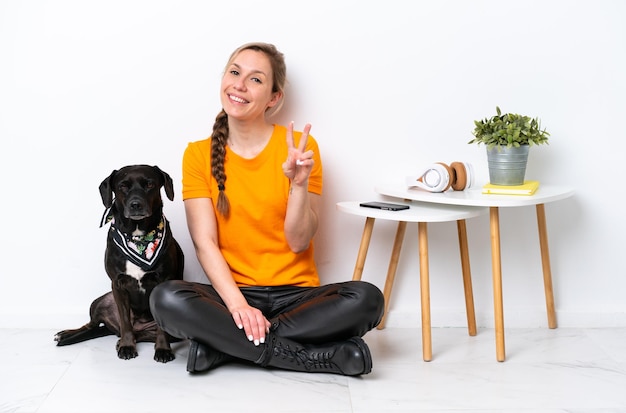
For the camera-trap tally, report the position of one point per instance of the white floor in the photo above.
(547, 371)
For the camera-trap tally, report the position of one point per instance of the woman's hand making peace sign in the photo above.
(299, 163)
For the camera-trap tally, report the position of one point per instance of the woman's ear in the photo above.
(276, 97)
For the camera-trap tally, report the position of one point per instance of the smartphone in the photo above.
(384, 205)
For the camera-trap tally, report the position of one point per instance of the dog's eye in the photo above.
(150, 185)
(122, 187)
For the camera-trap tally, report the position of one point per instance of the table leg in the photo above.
(545, 262)
(467, 277)
(365, 244)
(427, 349)
(391, 271)
(496, 268)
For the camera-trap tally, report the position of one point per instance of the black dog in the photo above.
(141, 253)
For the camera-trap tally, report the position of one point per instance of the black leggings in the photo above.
(308, 315)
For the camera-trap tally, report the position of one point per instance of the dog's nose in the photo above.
(135, 205)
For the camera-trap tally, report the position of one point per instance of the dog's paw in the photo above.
(163, 355)
(62, 337)
(127, 352)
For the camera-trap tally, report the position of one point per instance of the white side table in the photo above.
(422, 214)
(475, 197)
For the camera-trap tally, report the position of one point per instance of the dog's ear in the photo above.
(106, 191)
(168, 184)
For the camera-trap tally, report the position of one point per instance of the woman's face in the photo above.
(247, 86)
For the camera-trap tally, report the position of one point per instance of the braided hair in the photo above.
(220, 127)
(218, 152)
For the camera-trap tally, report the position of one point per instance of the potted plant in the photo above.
(508, 138)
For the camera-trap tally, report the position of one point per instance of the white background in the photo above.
(389, 87)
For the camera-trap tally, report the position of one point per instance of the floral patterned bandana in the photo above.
(141, 250)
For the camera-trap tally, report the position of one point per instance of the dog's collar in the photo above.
(142, 250)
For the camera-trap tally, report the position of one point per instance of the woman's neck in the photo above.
(248, 140)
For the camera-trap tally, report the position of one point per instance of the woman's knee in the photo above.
(367, 291)
(370, 298)
(165, 297)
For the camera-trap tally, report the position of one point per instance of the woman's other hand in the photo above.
(252, 322)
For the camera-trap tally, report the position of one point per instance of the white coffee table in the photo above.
(422, 214)
(474, 197)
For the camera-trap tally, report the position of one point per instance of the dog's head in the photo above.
(136, 190)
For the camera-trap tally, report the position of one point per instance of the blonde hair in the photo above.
(220, 127)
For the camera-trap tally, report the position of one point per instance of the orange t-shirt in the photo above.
(252, 239)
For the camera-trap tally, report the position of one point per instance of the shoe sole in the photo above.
(191, 357)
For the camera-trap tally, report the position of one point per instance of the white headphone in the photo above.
(439, 177)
